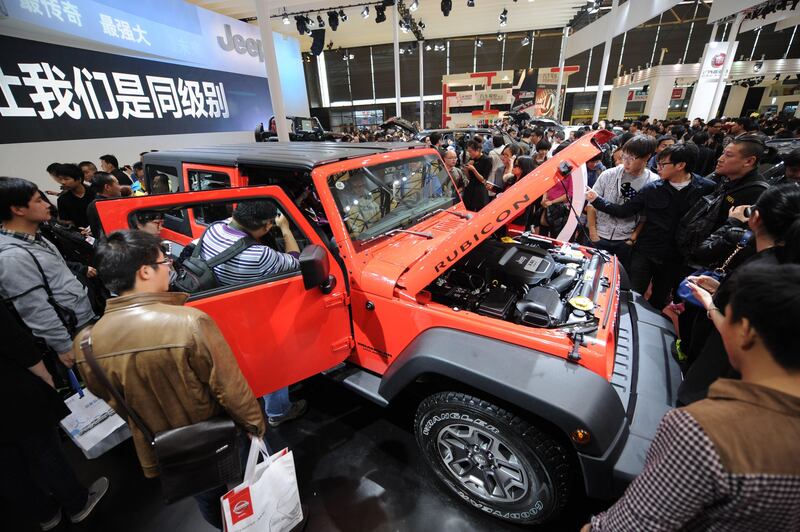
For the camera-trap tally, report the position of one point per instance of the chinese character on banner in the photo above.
(52, 8)
(84, 91)
(71, 11)
(130, 94)
(191, 98)
(213, 100)
(124, 30)
(107, 23)
(113, 112)
(32, 6)
(50, 88)
(164, 96)
(140, 35)
(11, 108)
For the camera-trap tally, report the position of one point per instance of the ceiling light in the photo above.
(421, 25)
(470, 3)
(503, 17)
(526, 40)
(320, 22)
(479, 43)
(500, 36)
(333, 20)
(402, 50)
(403, 26)
(285, 17)
(365, 12)
(447, 5)
(380, 14)
(300, 22)
(342, 15)
(428, 47)
(414, 5)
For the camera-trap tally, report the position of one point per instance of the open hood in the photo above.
(399, 123)
(498, 213)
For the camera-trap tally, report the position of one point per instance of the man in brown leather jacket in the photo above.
(171, 362)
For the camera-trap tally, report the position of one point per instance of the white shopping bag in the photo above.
(93, 425)
(268, 499)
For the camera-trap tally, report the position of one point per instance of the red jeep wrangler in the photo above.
(539, 371)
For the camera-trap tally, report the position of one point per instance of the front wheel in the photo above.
(493, 459)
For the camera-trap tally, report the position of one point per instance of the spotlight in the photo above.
(470, 3)
(479, 43)
(500, 37)
(285, 17)
(758, 66)
(380, 14)
(333, 20)
(404, 26)
(427, 47)
(302, 27)
(526, 40)
(342, 15)
(365, 12)
(594, 7)
(414, 5)
(402, 50)
(447, 5)
(421, 25)
(503, 17)
(320, 22)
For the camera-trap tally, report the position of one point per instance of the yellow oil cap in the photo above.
(582, 303)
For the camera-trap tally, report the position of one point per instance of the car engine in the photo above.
(529, 280)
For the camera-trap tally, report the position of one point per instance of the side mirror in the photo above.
(316, 269)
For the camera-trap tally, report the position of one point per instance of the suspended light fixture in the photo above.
(342, 15)
(446, 6)
(380, 14)
(503, 17)
(414, 5)
(500, 36)
(479, 43)
(300, 22)
(526, 40)
(333, 20)
(365, 12)
(470, 3)
(320, 22)
(285, 17)
(421, 25)
(428, 47)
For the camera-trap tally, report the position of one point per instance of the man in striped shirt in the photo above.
(255, 218)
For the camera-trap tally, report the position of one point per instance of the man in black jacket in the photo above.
(740, 185)
(31, 457)
(662, 203)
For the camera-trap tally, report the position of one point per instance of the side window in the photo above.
(162, 179)
(248, 267)
(202, 180)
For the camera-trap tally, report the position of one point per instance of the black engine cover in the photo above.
(511, 264)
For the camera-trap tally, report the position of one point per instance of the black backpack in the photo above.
(197, 274)
(701, 220)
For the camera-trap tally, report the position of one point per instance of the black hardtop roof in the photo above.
(306, 155)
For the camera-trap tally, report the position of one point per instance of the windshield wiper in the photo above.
(394, 231)
(462, 215)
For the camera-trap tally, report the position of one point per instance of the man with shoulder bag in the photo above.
(169, 372)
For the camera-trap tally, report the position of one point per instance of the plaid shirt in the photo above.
(686, 484)
(26, 237)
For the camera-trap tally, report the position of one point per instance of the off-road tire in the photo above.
(446, 421)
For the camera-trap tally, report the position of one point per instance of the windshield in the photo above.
(374, 200)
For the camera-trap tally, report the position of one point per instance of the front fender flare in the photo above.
(563, 393)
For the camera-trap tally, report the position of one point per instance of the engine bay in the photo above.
(529, 281)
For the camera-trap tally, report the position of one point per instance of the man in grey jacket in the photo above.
(34, 277)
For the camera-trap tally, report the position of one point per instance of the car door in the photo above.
(279, 332)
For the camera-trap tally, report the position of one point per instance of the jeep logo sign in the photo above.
(234, 41)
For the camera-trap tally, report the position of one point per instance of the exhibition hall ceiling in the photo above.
(484, 18)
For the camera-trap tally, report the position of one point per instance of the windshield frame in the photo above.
(323, 180)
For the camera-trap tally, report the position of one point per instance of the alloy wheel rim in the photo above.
(484, 464)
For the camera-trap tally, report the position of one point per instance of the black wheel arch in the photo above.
(563, 394)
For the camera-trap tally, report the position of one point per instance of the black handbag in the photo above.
(191, 459)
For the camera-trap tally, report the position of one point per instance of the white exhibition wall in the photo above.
(29, 160)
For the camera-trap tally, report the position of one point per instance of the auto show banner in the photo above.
(50, 92)
(535, 90)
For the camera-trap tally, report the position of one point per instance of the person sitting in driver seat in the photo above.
(254, 218)
(360, 207)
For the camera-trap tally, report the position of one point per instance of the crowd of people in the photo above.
(681, 204)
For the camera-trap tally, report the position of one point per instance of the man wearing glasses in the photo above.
(655, 256)
(618, 185)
